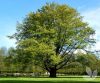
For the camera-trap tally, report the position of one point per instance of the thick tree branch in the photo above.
(70, 55)
(46, 66)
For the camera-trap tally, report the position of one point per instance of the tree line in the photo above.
(11, 62)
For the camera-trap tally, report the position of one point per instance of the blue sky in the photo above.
(12, 11)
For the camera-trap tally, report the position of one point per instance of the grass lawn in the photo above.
(48, 80)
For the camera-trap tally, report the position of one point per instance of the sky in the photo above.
(13, 11)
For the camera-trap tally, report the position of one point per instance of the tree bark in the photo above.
(52, 73)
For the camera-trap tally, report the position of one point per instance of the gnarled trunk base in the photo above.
(52, 73)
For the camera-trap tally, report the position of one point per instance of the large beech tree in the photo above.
(52, 34)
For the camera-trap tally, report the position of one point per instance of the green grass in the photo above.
(48, 80)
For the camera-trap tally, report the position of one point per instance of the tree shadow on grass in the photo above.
(21, 81)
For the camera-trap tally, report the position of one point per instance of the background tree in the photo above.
(9, 60)
(3, 54)
(3, 51)
(2, 67)
(52, 34)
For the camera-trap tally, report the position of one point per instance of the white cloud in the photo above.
(6, 42)
(93, 18)
(7, 28)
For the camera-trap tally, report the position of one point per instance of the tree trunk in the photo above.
(52, 73)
